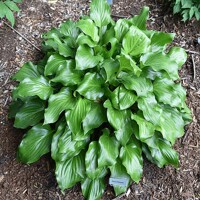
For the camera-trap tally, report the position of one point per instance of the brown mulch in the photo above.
(37, 181)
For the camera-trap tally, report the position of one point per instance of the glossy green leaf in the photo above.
(85, 58)
(54, 144)
(146, 129)
(14, 108)
(93, 171)
(120, 121)
(141, 20)
(171, 124)
(35, 87)
(159, 40)
(11, 5)
(94, 118)
(150, 108)
(119, 171)
(67, 147)
(135, 42)
(109, 149)
(122, 98)
(168, 92)
(121, 28)
(30, 114)
(54, 63)
(88, 27)
(93, 189)
(100, 12)
(67, 75)
(127, 64)
(70, 172)
(132, 160)
(35, 143)
(69, 29)
(57, 103)
(28, 70)
(141, 85)
(10, 16)
(85, 40)
(92, 86)
(160, 61)
(178, 55)
(76, 116)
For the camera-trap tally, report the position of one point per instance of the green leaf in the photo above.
(109, 149)
(67, 147)
(171, 124)
(150, 108)
(57, 103)
(111, 68)
(168, 92)
(54, 143)
(146, 129)
(135, 42)
(76, 116)
(120, 120)
(92, 189)
(85, 58)
(54, 64)
(67, 75)
(159, 40)
(10, 17)
(100, 13)
(92, 86)
(122, 98)
(141, 85)
(70, 172)
(35, 143)
(160, 61)
(94, 118)
(127, 64)
(11, 5)
(141, 20)
(178, 55)
(28, 70)
(121, 28)
(93, 171)
(31, 113)
(64, 48)
(35, 86)
(119, 171)
(85, 40)
(14, 108)
(131, 156)
(88, 27)
(69, 29)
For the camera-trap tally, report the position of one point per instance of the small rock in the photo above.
(1, 178)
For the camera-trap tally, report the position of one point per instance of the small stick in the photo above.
(21, 36)
(192, 52)
(6, 101)
(120, 16)
(194, 68)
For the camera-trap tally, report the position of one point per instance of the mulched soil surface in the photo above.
(18, 181)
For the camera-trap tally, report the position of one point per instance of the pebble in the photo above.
(1, 178)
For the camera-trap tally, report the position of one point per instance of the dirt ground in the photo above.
(37, 181)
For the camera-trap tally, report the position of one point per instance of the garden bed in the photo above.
(18, 181)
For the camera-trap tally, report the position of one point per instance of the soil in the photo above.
(37, 181)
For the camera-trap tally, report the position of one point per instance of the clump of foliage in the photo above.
(7, 8)
(105, 93)
(187, 8)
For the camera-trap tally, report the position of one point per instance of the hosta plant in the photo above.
(105, 94)
(187, 8)
(7, 7)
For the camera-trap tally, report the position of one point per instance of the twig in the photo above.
(194, 68)
(120, 16)
(6, 101)
(193, 52)
(21, 35)
(122, 195)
